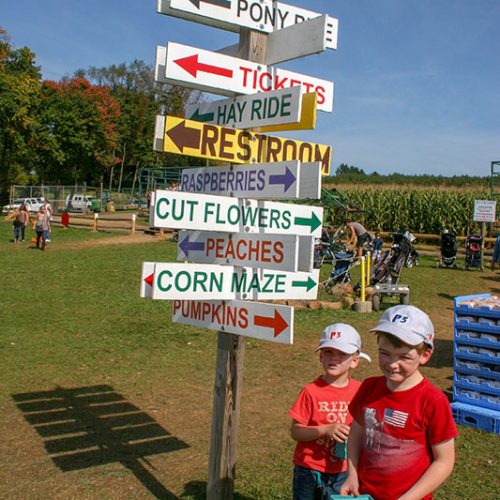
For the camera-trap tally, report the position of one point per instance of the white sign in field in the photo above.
(248, 111)
(205, 212)
(220, 74)
(171, 281)
(260, 15)
(250, 319)
(281, 180)
(286, 252)
(485, 211)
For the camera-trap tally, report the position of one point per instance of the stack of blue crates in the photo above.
(476, 379)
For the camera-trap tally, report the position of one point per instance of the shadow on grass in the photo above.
(90, 426)
(443, 353)
(197, 490)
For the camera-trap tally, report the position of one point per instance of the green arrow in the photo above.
(199, 117)
(313, 221)
(309, 284)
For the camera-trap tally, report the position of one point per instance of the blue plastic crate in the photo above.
(477, 418)
(484, 312)
(469, 383)
(475, 326)
(471, 352)
(477, 337)
(477, 369)
(476, 398)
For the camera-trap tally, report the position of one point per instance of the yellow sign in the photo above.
(205, 140)
(307, 117)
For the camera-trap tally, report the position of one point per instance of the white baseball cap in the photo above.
(408, 323)
(343, 337)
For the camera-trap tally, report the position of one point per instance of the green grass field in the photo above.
(103, 397)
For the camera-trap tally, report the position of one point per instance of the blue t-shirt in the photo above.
(377, 243)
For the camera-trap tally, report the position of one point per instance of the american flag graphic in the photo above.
(395, 418)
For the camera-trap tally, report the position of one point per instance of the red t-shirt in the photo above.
(320, 403)
(399, 429)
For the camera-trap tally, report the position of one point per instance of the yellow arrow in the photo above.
(307, 117)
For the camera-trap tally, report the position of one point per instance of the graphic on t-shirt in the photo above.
(336, 411)
(395, 418)
(371, 424)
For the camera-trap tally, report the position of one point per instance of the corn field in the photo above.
(418, 210)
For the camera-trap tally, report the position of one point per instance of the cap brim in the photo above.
(407, 337)
(347, 348)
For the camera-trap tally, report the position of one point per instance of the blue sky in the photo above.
(417, 82)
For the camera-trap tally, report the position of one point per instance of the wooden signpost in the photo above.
(226, 75)
(238, 248)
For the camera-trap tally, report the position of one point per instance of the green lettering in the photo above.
(237, 285)
(160, 283)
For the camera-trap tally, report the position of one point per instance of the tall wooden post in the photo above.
(230, 356)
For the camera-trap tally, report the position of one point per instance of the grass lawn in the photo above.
(103, 397)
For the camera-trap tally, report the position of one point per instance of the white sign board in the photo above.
(171, 281)
(249, 111)
(281, 180)
(209, 71)
(250, 319)
(203, 212)
(260, 15)
(286, 252)
(485, 211)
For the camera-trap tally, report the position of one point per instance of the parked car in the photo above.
(79, 202)
(32, 204)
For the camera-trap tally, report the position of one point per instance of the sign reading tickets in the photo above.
(214, 72)
(205, 140)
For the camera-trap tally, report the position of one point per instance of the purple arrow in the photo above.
(186, 246)
(287, 179)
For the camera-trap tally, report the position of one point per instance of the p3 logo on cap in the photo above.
(335, 335)
(399, 319)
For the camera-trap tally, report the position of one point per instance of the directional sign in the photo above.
(206, 212)
(213, 72)
(285, 252)
(281, 180)
(299, 40)
(212, 282)
(205, 140)
(148, 269)
(261, 15)
(256, 110)
(251, 319)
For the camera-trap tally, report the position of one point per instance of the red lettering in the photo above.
(279, 84)
(294, 83)
(243, 318)
(261, 82)
(308, 86)
(321, 94)
(278, 249)
(210, 245)
(245, 73)
(176, 306)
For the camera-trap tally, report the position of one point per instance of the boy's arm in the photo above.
(335, 432)
(351, 484)
(439, 470)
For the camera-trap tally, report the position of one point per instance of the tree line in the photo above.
(95, 126)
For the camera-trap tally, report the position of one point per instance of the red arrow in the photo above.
(192, 66)
(278, 323)
(149, 280)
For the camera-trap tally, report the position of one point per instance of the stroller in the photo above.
(448, 257)
(342, 261)
(322, 250)
(390, 265)
(473, 252)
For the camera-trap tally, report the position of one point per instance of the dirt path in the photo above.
(129, 239)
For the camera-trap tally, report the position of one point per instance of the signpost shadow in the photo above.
(89, 426)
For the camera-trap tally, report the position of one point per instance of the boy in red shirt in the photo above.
(401, 444)
(321, 421)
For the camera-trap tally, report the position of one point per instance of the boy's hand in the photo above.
(337, 432)
(350, 487)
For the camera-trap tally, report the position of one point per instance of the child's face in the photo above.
(337, 363)
(399, 363)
